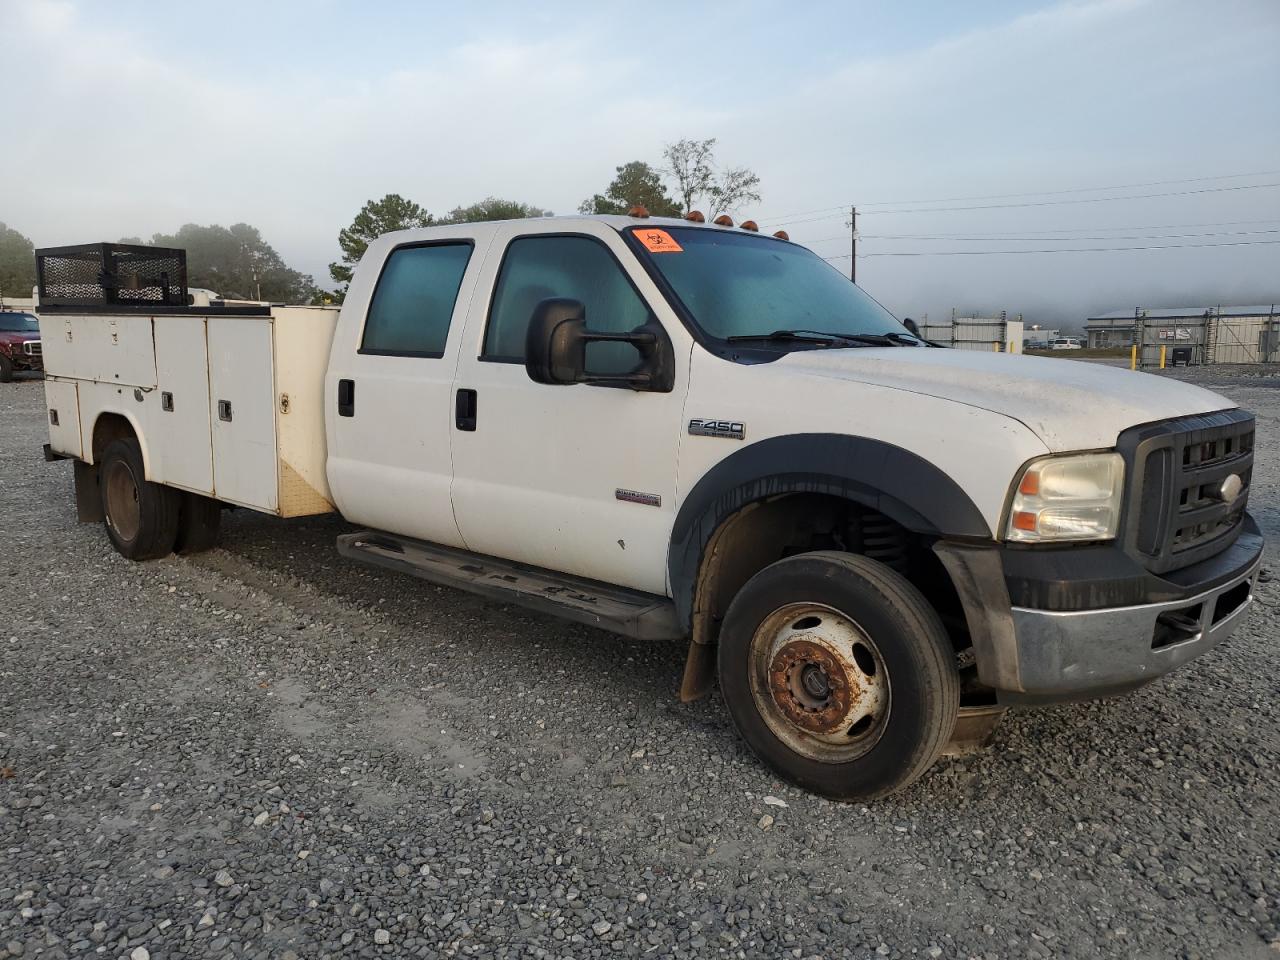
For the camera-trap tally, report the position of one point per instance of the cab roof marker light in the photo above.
(639, 212)
(782, 235)
(695, 216)
(750, 225)
(724, 220)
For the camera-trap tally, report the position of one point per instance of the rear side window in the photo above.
(413, 302)
(580, 268)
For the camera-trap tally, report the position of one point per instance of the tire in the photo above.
(839, 675)
(6, 369)
(141, 516)
(199, 521)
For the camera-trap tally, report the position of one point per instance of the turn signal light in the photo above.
(782, 235)
(750, 225)
(695, 216)
(638, 211)
(1024, 520)
(724, 220)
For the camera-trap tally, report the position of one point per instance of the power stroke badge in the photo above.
(728, 429)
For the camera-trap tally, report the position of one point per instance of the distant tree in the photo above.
(236, 262)
(392, 212)
(733, 188)
(491, 208)
(692, 164)
(17, 263)
(636, 184)
(328, 298)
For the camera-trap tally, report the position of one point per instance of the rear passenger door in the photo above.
(391, 385)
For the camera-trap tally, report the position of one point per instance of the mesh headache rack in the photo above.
(113, 275)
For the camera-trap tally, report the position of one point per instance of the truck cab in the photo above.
(676, 429)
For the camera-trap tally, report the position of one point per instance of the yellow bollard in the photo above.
(995, 346)
(1163, 348)
(1133, 358)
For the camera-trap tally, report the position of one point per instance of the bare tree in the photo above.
(733, 188)
(691, 164)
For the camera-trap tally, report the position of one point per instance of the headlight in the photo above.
(1076, 497)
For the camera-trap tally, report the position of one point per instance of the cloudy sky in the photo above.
(127, 118)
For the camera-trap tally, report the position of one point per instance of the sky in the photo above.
(129, 118)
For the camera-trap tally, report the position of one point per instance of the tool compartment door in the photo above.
(182, 451)
(242, 411)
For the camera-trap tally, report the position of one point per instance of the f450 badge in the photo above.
(728, 429)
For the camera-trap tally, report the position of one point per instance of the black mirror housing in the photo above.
(556, 349)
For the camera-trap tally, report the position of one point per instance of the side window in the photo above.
(413, 302)
(536, 268)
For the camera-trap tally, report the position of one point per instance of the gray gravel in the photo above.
(265, 751)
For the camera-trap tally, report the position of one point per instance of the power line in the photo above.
(1005, 235)
(839, 208)
(1045, 203)
(988, 253)
(1016, 239)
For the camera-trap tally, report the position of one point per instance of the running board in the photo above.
(642, 616)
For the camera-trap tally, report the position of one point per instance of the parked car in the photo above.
(1065, 343)
(630, 422)
(19, 343)
(1036, 345)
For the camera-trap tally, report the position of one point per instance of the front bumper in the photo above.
(1031, 655)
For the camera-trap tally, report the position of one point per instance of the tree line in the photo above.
(238, 263)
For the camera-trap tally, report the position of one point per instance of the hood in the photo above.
(1069, 404)
(16, 338)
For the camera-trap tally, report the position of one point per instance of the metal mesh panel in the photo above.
(101, 274)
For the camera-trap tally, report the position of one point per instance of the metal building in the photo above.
(996, 334)
(1193, 335)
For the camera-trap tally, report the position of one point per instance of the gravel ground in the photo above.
(266, 751)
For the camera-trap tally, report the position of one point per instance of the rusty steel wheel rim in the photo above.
(819, 682)
(124, 514)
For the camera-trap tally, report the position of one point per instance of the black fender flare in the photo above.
(898, 483)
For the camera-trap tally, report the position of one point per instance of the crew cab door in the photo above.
(576, 478)
(390, 385)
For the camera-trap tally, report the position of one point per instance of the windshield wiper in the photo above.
(906, 339)
(820, 336)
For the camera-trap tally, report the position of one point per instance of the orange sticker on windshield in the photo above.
(659, 241)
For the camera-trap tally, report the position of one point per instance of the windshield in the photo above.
(746, 285)
(19, 322)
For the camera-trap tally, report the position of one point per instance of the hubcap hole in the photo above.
(807, 623)
(864, 659)
(862, 726)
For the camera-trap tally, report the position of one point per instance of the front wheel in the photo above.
(839, 674)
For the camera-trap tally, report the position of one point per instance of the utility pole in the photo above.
(853, 232)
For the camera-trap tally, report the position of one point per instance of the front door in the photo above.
(575, 478)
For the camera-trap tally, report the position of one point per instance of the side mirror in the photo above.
(556, 349)
(912, 327)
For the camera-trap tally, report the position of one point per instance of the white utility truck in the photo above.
(676, 429)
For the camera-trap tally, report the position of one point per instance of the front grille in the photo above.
(1180, 511)
(31, 348)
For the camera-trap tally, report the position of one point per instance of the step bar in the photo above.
(642, 616)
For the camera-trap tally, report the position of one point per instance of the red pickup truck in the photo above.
(19, 344)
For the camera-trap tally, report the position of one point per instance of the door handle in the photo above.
(346, 398)
(464, 410)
